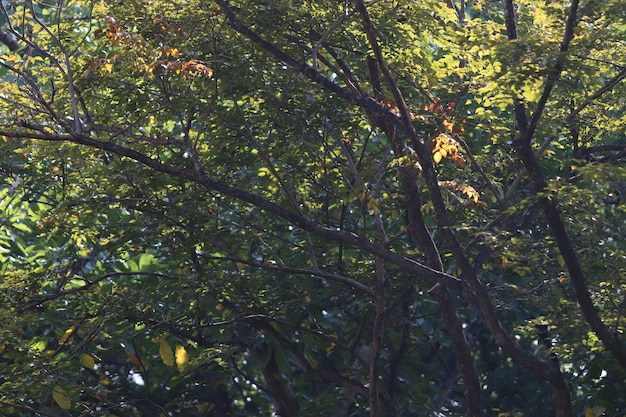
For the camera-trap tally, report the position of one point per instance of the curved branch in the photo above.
(255, 200)
(480, 298)
(440, 292)
(568, 252)
(554, 74)
(524, 149)
(363, 101)
(305, 271)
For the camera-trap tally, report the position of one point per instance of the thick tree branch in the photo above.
(560, 391)
(377, 339)
(301, 67)
(554, 74)
(418, 230)
(10, 41)
(260, 202)
(511, 29)
(524, 149)
(568, 252)
(440, 293)
(542, 368)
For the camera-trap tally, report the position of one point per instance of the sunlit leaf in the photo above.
(181, 357)
(166, 352)
(67, 334)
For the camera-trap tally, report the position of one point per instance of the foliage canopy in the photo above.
(313, 207)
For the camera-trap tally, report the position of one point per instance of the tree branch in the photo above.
(10, 41)
(260, 202)
(28, 409)
(554, 74)
(524, 149)
(481, 300)
(377, 339)
(608, 86)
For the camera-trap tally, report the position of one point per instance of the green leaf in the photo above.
(87, 361)
(39, 343)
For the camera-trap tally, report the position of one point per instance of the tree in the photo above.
(313, 208)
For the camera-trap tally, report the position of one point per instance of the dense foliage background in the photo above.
(314, 208)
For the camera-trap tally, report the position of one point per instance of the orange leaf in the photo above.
(133, 358)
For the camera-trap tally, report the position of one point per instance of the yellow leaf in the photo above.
(181, 357)
(437, 157)
(61, 398)
(471, 192)
(87, 361)
(13, 58)
(66, 335)
(449, 126)
(166, 353)
(173, 52)
(106, 68)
